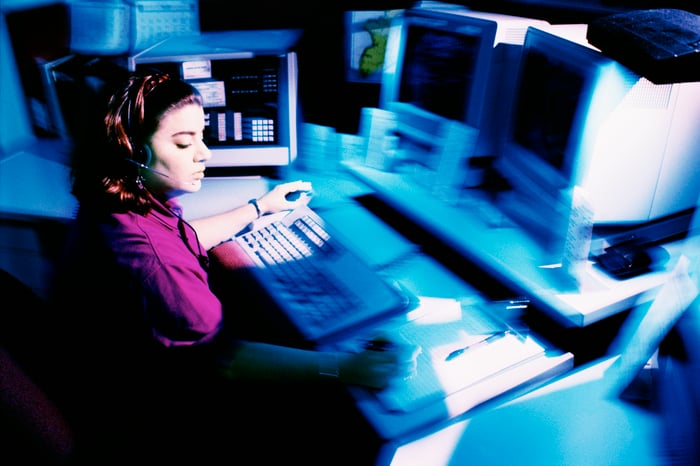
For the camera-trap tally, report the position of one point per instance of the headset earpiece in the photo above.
(146, 154)
(141, 153)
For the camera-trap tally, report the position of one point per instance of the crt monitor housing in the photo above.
(450, 45)
(507, 44)
(581, 119)
(249, 83)
(25, 111)
(434, 83)
(438, 62)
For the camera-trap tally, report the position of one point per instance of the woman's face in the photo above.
(178, 153)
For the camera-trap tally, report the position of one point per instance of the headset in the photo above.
(144, 153)
(141, 153)
(148, 155)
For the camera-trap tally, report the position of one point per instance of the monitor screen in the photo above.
(438, 70)
(439, 63)
(551, 97)
(38, 33)
(546, 107)
(434, 86)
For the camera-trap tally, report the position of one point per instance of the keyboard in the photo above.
(321, 285)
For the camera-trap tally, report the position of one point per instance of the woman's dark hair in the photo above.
(106, 163)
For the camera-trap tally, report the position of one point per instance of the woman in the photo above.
(150, 364)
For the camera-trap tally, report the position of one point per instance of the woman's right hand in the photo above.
(275, 200)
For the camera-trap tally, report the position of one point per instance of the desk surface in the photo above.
(512, 256)
(33, 184)
(571, 421)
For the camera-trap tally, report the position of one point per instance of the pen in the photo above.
(515, 303)
(379, 345)
(489, 339)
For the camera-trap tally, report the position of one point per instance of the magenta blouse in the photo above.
(164, 253)
(149, 272)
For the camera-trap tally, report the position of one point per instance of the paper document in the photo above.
(439, 373)
(459, 344)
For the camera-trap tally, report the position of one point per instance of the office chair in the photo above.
(33, 428)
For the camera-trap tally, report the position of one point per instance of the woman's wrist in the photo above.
(256, 206)
(329, 365)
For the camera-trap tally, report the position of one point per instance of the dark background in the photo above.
(326, 97)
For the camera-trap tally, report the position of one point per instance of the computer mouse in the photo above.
(631, 260)
(294, 195)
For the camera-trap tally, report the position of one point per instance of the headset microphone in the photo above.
(146, 167)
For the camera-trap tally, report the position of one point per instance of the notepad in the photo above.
(438, 376)
(438, 328)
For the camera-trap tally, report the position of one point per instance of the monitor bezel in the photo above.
(484, 30)
(516, 160)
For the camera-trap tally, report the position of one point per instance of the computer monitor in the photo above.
(32, 33)
(249, 83)
(507, 45)
(448, 63)
(434, 82)
(582, 119)
(437, 62)
(15, 119)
